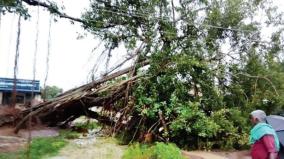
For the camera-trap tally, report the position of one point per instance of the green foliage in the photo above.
(167, 151)
(157, 151)
(87, 125)
(7, 2)
(123, 138)
(16, 6)
(51, 92)
(204, 92)
(13, 6)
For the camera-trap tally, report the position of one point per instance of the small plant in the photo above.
(167, 151)
(158, 151)
(68, 134)
(138, 151)
(86, 125)
(123, 138)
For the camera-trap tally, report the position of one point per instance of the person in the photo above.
(263, 138)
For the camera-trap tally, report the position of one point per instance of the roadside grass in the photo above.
(42, 146)
(158, 150)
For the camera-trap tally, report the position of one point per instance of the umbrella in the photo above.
(277, 122)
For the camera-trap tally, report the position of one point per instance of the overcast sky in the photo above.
(70, 58)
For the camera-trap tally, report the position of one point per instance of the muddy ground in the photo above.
(10, 142)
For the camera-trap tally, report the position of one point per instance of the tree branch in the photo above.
(130, 57)
(259, 77)
(54, 10)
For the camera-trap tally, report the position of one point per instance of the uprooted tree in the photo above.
(209, 64)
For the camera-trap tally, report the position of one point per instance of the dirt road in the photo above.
(11, 142)
(216, 155)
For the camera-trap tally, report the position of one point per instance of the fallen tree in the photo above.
(206, 73)
(76, 102)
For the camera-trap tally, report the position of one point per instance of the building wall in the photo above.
(22, 98)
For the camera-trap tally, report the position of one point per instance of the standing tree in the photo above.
(50, 92)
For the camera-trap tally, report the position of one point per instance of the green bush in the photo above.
(158, 151)
(167, 151)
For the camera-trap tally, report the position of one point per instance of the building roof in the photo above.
(22, 85)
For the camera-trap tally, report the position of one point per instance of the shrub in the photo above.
(157, 151)
(167, 151)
